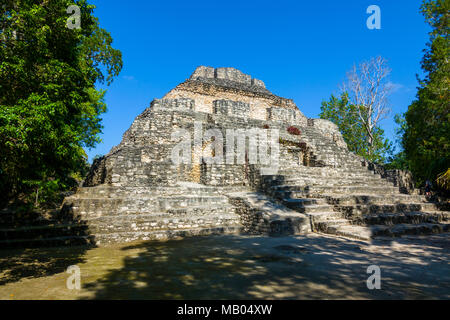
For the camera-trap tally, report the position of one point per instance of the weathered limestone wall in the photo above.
(226, 74)
(144, 155)
(260, 109)
(205, 102)
(402, 179)
(231, 108)
(208, 85)
(290, 116)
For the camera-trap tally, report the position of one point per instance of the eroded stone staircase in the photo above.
(353, 201)
(41, 230)
(139, 213)
(107, 214)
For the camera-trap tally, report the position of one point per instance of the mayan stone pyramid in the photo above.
(142, 190)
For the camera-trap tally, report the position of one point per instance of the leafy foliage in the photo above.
(426, 139)
(443, 180)
(399, 160)
(345, 116)
(49, 106)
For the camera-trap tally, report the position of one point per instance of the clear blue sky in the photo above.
(300, 49)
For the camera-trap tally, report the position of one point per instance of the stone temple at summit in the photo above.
(220, 153)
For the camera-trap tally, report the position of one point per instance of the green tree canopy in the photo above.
(426, 138)
(49, 105)
(345, 116)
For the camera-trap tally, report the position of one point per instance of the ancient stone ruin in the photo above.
(292, 175)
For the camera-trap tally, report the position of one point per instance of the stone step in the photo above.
(322, 222)
(322, 225)
(330, 153)
(300, 207)
(321, 191)
(324, 148)
(327, 174)
(329, 150)
(205, 210)
(200, 210)
(124, 192)
(324, 216)
(337, 183)
(326, 171)
(329, 168)
(148, 223)
(102, 192)
(412, 217)
(10, 221)
(103, 238)
(188, 201)
(171, 214)
(321, 142)
(48, 242)
(413, 229)
(44, 232)
(260, 215)
(398, 230)
(97, 207)
(305, 178)
(344, 199)
(364, 209)
(163, 234)
(306, 201)
(325, 183)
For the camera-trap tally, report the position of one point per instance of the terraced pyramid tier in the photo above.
(53, 229)
(355, 202)
(118, 214)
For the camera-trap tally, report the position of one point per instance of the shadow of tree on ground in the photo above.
(302, 267)
(41, 243)
(18, 264)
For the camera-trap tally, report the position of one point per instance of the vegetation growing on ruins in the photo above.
(294, 131)
(50, 108)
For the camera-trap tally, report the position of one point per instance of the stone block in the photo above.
(232, 74)
(177, 104)
(231, 108)
(258, 83)
(281, 114)
(203, 72)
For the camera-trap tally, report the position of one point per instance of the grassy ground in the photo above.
(233, 267)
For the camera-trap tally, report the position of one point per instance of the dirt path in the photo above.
(234, 267)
